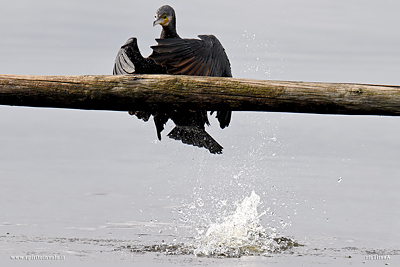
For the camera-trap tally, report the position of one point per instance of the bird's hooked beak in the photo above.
(163, 21)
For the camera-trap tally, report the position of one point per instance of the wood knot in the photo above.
(357, 91)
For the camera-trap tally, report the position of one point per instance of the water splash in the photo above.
(236, 234)
(263, 58)
(240, 234)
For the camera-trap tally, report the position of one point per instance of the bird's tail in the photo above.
(196, 137)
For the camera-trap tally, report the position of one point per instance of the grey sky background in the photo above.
(339, 41)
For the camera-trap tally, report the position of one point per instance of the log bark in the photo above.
(147, 92)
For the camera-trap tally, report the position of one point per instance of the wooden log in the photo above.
(146, 92)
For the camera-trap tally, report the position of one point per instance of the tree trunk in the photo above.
(147, 92)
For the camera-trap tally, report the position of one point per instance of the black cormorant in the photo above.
(174, 55)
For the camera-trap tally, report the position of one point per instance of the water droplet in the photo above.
(199, 231)
(200, 202)
(184, 219)
(339, 180)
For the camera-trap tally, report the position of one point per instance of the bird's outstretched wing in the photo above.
(201, 57)
(129, 60)
(123, 63)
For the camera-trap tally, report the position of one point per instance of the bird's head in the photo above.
(164, 16)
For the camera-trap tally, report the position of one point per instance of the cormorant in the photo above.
(174, 55)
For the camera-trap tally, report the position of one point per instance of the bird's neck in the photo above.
(169, 31)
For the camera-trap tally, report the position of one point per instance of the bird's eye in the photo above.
(164, 17)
